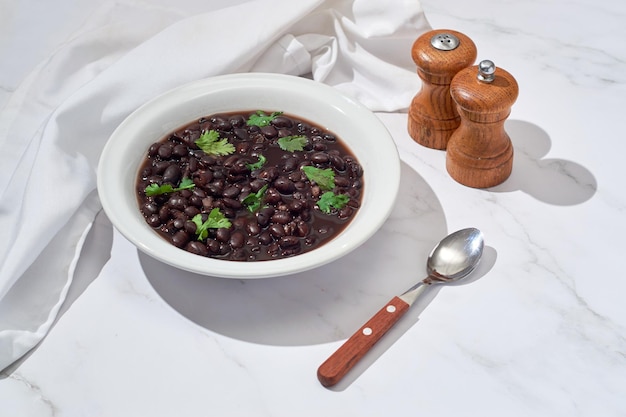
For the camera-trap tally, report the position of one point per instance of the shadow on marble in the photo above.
(554, 181)
(319, 306)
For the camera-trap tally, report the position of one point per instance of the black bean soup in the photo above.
(249, 186)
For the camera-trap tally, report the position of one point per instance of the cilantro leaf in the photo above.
(216, 220)
(211, 144)
(185, 184)
(325, 178)
(292, 143)
(257, 164)
(261, 119)
(253, 200)
(330, 199)
(155, 189)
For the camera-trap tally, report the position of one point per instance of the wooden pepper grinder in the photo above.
(439, 55)
(480, 153)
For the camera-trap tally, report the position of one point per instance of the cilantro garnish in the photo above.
(253, 200)
(325, 178)
(292, 143)
(216, 220)
(211, 144)
(257, 164)
(155, 189)
(330, 199)
(261, 119)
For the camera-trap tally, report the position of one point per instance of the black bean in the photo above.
(153, 149)
(231, 160)
(320, 146)
(177, 202)
(284, 185)
(290, 228)
(265, 238)
(242, 147)
(232, 203)
(216, 187)
(213, 245)
(197, 247)
(179, 222)
(231, 192)
(241, 134)
(222, 124)
(296, 205)
(282, 121)
(179, 151)
(269, 173)
(269, 131)
(193, 164)
(273, 250)
(229, 212)
(180, 238)
(161, 166)
(289, 241)
(154, 220)
(305, 215)
(291, 164)
(272, 196)
(253, 228)
(239, 167)
(222, 234)
(284, 133)
(337, 162)
(345, 212)
(302, 229)
(282, 217)
(190, 227)
(203, 177)
(191, 211)
(342, 181)
(165, 151)
(237, 240)
(164, 214)
(355, 169)
(150, 207)
(264, 215)
(320, 158)
(297, 176)
(276, 230)
(237, 121)
(172, 174)
(239, 254)
(195, 201)
(256, 184)
(246, 189)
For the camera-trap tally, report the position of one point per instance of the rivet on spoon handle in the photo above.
(344, 358)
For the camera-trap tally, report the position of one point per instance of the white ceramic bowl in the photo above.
(358, 127)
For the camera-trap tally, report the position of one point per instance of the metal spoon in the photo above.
(451, 260)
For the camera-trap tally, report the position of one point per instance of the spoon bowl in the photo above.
(453, 259)
(456, 255)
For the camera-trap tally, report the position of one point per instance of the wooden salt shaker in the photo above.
(480, 152)
(439, 55)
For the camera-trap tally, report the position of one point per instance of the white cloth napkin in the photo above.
(55, 124)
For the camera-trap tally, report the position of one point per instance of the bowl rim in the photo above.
(109, 178)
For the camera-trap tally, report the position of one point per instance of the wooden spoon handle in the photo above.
(344, 358)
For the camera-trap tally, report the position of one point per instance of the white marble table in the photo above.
(540, 332)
